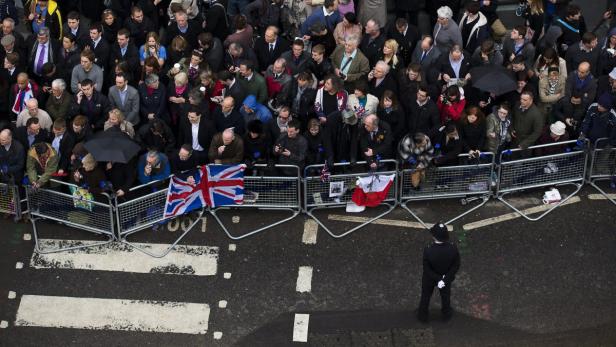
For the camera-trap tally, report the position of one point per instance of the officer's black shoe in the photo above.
(422, 317)
(447, 315)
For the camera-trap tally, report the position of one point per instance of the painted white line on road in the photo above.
(232, 247)
(113, 314)
(300, 327)
(4, 324)
(203, 224)
(227, 275)
(19, 265)
(27, 237)
(222, 304)
(182, 260)
(391, 222)
(513, 215)
(601, 196)
(235, 219)
(310, 232)
(217, 335)
(12, 295)
(304, 279)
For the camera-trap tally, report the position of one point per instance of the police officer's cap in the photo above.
(439, 231)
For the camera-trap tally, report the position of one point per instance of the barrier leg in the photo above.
(390, 207)
(123, 239)
(603, 192)
(483, 200)
(40, 250)
(294, 212)
(578, 186)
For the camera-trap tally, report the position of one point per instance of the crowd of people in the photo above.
(297, 82)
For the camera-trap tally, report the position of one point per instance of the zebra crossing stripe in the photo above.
(113, 314)
(183, 260)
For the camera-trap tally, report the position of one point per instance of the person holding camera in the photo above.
(291, 147)
(350, 64)
(88, 174)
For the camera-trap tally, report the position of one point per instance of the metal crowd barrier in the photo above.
(10, 201)
(145, 212)
(567, 168)
(468, 181)
(81, 213)
(279, 193)
(317, 193)
(603, 166)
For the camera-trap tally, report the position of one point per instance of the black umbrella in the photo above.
(493, 79)
(112, 145)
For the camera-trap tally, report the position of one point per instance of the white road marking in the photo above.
(27, 237)
(513, 215)
(391, 222)
(235, 219)
(12, 295)
(182, 260)
(601, 196)
(173, 225)
(186, 223)
(300, 327)
(19, 265)
(310, 232)
(203, 224)
(4, 324)
(232, 247)
(217, 335)
(227, 275)
(304, 279)
(113, 314)
(222, 304)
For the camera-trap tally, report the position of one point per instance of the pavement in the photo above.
(522, 283)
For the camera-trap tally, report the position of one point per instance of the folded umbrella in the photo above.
(112, 146)
(493, 79)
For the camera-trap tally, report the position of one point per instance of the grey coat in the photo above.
(130, 108)
(493, 126)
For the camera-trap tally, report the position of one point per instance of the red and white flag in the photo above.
(372, 190)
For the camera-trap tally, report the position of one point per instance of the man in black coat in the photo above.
(372, 42)
(233, 87)
(375, 140)
(227, 116)
(153, 100)
(216, 20)
(42, 49)
(183, 27)
(139, 26)
(441, 261)
(422, 114)
(406, 35)
(31, 133)
(204, 129)
(75, 27)
(269, 47)
(92, 104)
(12, 158)
(63, 142)
(124, 51)
(380, 79)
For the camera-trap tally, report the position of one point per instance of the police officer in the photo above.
(441, 261)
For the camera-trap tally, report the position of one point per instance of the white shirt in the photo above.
(195, 135)
(56, 143)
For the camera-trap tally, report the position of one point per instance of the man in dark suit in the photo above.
(74, 26)
(425, 53)
(42, 49)
(380, 79)
(63, 142)
(31, 133)
(406, 35)
(233, 87)
(12, 158)
(441, 261)
(372, 42)
(124, 51)
(269, 47)
(98, 45)
(198, 132)
(92, 104)
(375, 140)
(139, 26)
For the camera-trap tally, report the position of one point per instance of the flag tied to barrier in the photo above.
(372, 190)
(213, 186)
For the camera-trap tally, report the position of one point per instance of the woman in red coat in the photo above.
(451, 104)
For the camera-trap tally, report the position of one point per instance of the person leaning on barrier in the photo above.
(12, 158)
(416, 152)
(257, 144)
(89, 175)
(157, 135)
(556, 132)
(450, 145)
(226, 148)
(527, 121)
(153, 166)
(600, 121)
(182, 160)
(41, 164)
(498, 129)
(375, 140)
(291, 147)
(63, 143)
(315, 138)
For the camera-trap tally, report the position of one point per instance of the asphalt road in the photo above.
(521, 283)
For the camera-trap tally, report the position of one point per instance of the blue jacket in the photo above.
(160, 174)
(260, 111)
(319, 16)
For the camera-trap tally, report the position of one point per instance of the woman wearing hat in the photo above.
(441, 261)
(556, 132)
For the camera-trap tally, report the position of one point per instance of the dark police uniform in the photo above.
(441, 261)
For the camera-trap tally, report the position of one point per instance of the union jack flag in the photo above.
(225, 185)
(182, 197)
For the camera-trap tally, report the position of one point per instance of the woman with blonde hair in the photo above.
(535, 17)
(390, 54)
(178, 95)
(116, 119)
